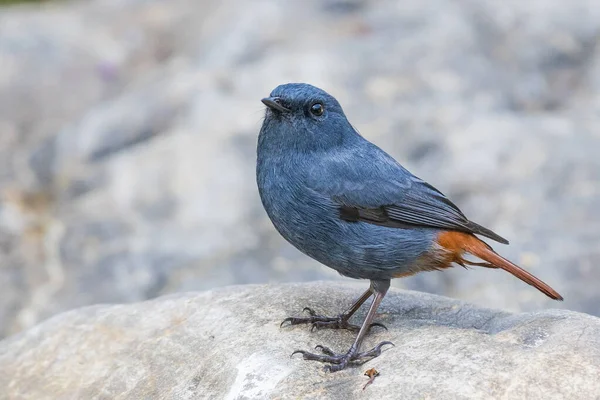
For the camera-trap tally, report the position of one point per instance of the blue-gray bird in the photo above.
(346, 203)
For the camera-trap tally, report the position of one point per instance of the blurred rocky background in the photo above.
(128, 132)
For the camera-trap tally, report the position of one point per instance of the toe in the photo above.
(337, 367)
(374, 352)
(325, 350)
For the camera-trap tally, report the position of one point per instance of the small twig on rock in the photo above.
(372, 374)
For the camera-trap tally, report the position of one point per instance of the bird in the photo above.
(343, 201)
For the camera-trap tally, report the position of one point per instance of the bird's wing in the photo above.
(370, 186)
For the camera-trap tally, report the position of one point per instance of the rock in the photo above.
(128, 132)
(227, 343)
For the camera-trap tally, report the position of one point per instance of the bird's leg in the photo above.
(353, 356)
(339, 322)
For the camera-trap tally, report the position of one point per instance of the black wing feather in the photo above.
(425, 206)
(368, 185)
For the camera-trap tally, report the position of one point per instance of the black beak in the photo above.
(273, 104)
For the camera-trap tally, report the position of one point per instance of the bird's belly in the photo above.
(354, 249)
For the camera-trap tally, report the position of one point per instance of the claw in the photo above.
(374, 324)
(309, 310)
(325, 350)
(289, 319)
(297, 352)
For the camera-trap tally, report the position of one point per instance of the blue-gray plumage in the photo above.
(345, 202)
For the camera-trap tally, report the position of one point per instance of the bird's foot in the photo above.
(340, 361)
(319, 322)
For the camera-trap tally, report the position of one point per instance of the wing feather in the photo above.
(372, 187)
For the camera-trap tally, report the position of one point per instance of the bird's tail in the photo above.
(481, 250)
(458, 243)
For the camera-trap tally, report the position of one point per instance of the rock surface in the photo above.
(227, 344)
(128, 130)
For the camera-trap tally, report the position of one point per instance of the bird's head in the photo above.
(305, 118)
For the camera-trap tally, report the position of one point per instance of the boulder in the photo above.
(227, 344)
(128, 133)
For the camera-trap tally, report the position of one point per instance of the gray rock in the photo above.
(227, 344)
(128, 129)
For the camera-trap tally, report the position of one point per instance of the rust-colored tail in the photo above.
(468, 243)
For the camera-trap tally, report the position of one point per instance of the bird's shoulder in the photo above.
(367, 177)
(363, 174)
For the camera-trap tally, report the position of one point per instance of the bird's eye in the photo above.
(317, 109)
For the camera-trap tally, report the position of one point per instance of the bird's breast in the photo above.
(298, 212)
